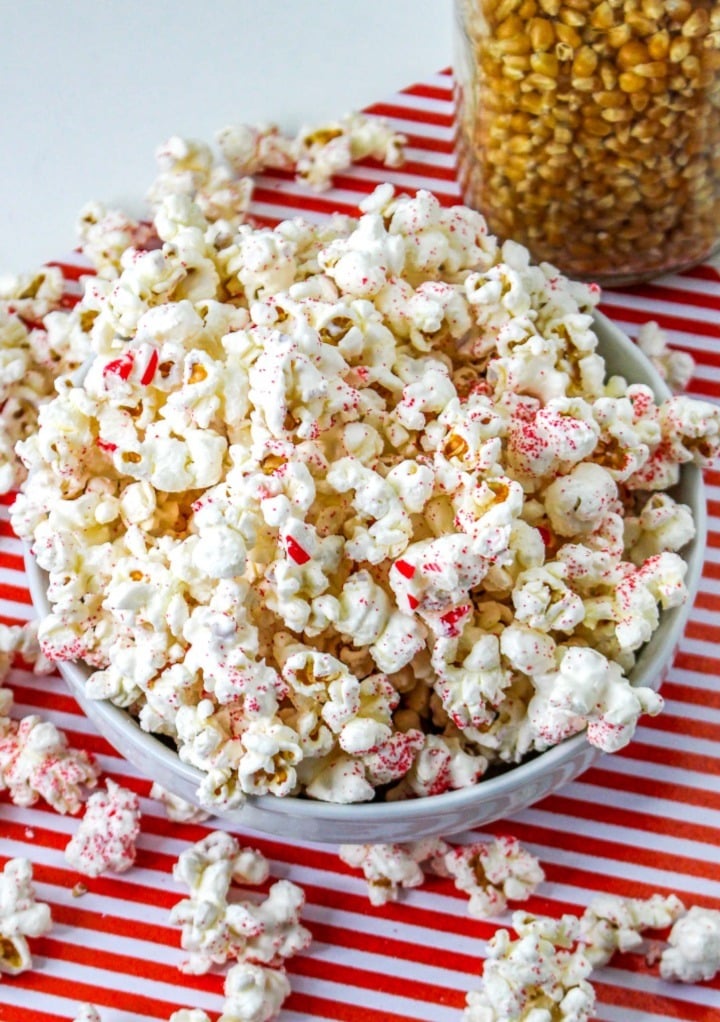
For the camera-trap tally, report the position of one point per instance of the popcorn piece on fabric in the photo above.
(21, 916)
(105, 840)
(611, 923)
(694, 952)
(254, 993)
(189, 1015)
(388, 868)
(178, 809)
(535, 978)
(492, 873)
(675, 367)
(215, 931)
(36, 762)
(88, 1013)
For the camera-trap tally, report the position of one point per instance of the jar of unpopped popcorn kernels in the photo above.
(590, 131)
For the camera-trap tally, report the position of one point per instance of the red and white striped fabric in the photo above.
(646, 819)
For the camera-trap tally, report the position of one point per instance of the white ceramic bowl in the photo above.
(445, 814)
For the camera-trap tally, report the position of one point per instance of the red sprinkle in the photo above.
(296, 552)
(412, 601)
(105, 445)
(121, 367)
(150, 368)
(453, 616)
(405, 569)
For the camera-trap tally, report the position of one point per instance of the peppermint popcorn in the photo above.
(349, 510)
(36, 762)
(21, 916)
(178, 809)
(214, 930)
(536, 978)
(694, 951)
(390, 868)
(675, 367)
(105, 839)
(492, 873)
(254, 993)
(611, 923)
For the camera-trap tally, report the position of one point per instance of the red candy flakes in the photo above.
(296, 552)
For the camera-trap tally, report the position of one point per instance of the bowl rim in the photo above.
(148, 746)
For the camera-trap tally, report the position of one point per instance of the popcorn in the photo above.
(178, 809)
(675, 367)
(388, 868)
(215, 931)
(491, 873)
(254, 993)
(105, 839)
(694, 952)
(189, 1015)
(21, 916)
(535, 978)
(35, 762)
(611, 923)
(302, 461)
(589, 691)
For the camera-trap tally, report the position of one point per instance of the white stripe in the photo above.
(660, 772)
(13, 577)
(703, 287)
(68, 1007)
(694, 679)
(654, 986)
(11, 545)
(691, 711)
(373, 1000)
(21, 611)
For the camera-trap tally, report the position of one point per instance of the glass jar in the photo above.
(590, 132)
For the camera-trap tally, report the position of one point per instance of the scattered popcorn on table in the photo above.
(537, 978)
(254, 993)
(611, 923)
(35, 762)
(492, 873)
(694, 952)
(675, 367)
(388, 868)
(21, 916)
(350, 508)
(105, 840)
(215, 931)
(178, 809)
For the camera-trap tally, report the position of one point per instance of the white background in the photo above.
(89, 88)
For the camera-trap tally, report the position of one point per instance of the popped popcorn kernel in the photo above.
(492, 873)
(105, 839)
(21, 916)
(694, 951)
(611, 923)
(390, 868)
(254, 993)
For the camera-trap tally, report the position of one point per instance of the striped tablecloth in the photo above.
(646, 819)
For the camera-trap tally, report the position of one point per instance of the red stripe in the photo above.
(697, 662)
(684, 725)
(435, 145)
(5, 529)
(12, 561)
(15, 594)
(703, 272)
(569, 875)
(407, 113)
(425, 91)
(668, 756)
(8, 499)
(701, 387)
(364, 188)
(7, 619)
(665, 293)
(39, 982)
(690, 694)
(666, 320)
(653, 787)
(71, 271)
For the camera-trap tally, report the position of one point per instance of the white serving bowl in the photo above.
(453, 811)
